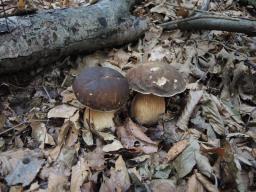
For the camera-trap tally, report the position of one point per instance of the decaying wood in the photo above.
(211, 22)
(45, 37)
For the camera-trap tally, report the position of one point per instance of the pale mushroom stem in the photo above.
(99, 119)
(146, 109)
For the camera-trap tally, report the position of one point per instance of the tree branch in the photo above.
(210, 22)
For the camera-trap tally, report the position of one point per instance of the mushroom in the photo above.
(153, 81)
(103, 91)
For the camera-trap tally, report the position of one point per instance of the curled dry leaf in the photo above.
(206, 183)
(62, 111)
(211, 112)
(194, 98)
(203, 164)
(137, 132)
(176, 149)
(133, 138)
(87, 136)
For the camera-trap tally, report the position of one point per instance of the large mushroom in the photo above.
(153, 81)
(103, 91)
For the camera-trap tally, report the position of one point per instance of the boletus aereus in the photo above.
(153, 81)
(103, 91)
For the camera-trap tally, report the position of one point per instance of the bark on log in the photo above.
(45, 37)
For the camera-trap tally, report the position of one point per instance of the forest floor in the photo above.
(206, 141)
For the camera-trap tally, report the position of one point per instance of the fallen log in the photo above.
(45, 37)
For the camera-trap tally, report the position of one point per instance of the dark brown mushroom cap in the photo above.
(156, 78)
(101, 88)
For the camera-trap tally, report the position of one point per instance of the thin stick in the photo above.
(210, 22)
(12, 128)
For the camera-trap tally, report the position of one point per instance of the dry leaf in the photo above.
(88, 187)
(194, 98)
(114, 146)
(66, 156)
(68, 95)
(185, 162)
(87, 137)
(211, 112)
(137, 132)
(119, 178)
(39, 132)
(119, 57)
(163, 185)
(22, 166)
(133, 138)
(206, 183)
(62, 111)
(64, 131)
(95, 159)
(80, 175)
(194, 185)
(203, 164)
(176, 149)
(57, 183)
(158, 53)
(17, 188)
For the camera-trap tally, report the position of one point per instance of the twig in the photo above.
(6, 9)
(210, 22)
(11, 128)
(48, 95)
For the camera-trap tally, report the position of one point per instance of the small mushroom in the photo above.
(103, 91)
(153, 81)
